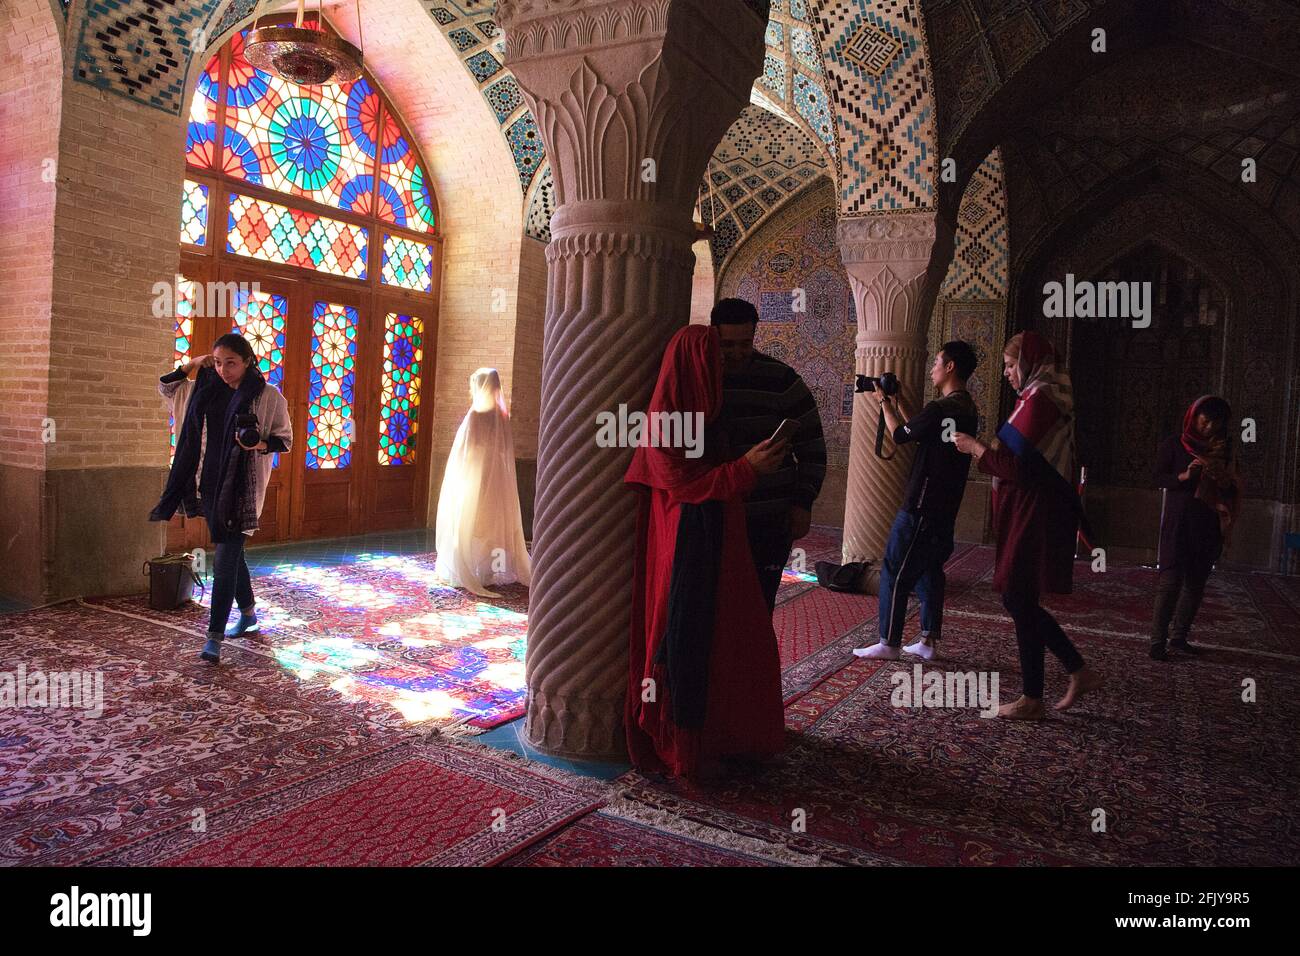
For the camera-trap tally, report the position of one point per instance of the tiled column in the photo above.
(631, 97)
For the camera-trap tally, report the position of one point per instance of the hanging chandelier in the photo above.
(303, 55)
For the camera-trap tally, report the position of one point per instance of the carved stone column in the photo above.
(887, 258)
(631, 98)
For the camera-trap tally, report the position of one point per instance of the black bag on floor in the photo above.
(171, 581)
(842, 577)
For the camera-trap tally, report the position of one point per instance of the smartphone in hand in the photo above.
(784, 431)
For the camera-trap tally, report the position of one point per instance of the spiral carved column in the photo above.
(886, 258)
(631, 98)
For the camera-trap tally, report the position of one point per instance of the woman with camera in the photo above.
(1036, 515)
(1199, 470)
(229, 422)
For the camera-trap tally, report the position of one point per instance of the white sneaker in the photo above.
(922, 650)
(877, 652)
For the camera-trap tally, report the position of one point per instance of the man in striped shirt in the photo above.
(758, 393)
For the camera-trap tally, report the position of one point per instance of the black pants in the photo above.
(1036, 631)
(1178, 598)
(230, 582)
(769, 543)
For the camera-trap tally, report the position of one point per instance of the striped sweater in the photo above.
(754, 402)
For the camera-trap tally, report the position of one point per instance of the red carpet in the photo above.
(1186, 773)
(281, 771)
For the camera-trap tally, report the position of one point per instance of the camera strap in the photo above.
(880, 438)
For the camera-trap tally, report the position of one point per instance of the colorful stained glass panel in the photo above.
(330, 388)
(194, 214)
(201, 131)
(261, 317)
(317, 142)
(407, 264)
(399, 388)
(404, 197)
(183, 329)
(275, 233)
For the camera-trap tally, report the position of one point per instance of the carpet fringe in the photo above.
(624, 808)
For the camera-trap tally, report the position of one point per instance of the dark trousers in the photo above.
(1036, 631)
(914, 559)
(230, 582)
(1178, 598)
(769, 543)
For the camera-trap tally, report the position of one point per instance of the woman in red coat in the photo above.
(705, 676)
(1036, 516)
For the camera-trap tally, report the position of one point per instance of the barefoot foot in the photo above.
(1081, 682)
(1026, 708)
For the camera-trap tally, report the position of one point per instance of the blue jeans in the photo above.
(230, 582)
(914, 558)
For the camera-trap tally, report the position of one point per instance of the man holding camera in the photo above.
(921, 539)
(758, 394)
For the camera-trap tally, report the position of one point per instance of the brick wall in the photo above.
(30, 90)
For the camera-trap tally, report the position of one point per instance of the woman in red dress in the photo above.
(1036, 514)
(704, 677)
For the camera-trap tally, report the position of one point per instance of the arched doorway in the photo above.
(309, 226)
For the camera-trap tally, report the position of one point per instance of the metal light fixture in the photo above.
(303, 55)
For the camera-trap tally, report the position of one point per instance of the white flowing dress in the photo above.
(480, 532)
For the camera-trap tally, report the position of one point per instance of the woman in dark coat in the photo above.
(705, 674)
(217, 474)
(1199, 472)
(1036, 515)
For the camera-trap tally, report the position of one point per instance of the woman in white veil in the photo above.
(480, 534)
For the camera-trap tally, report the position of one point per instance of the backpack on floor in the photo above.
(842, 577)
(171, 581)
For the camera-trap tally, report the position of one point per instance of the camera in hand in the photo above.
(246, 429)
(886, 384)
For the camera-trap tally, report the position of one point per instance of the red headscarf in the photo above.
(690, 381)
(1221, 490)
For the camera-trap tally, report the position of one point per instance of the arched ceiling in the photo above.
(762, 162)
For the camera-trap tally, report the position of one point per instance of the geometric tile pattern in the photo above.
(792, 74)
(796, 250)
(979, 264)
(875, 61)
(973, 54)
(481, 46)
(761, 162)
(140, 49)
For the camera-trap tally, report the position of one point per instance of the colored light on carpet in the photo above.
(797, 577)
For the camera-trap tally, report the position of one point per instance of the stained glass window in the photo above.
(201, 133)
(407, 264)
(194, 213)
(317, 142)
(399, 388)
(186, 295)
(330, 388)
(275, 233)
(404, 197)
(261, 318)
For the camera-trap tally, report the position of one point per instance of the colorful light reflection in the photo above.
(379, 629)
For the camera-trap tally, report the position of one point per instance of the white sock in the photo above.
(922, 650)
(877, 652)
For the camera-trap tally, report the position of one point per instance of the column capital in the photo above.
(632, 96)
(895, 237)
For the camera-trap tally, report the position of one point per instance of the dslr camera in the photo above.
(887, 384)
(246, 429)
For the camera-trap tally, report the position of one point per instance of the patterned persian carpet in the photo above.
(606, 841)
(238, 765)
(1167, 756)
(379, 628)
(1241, 611)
